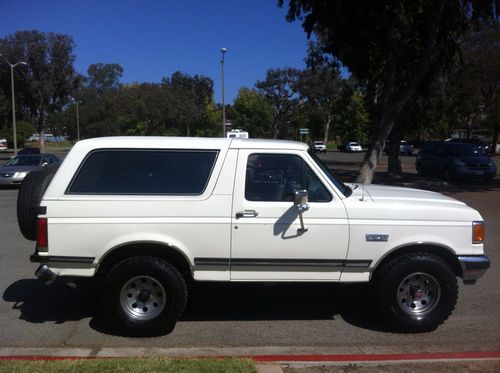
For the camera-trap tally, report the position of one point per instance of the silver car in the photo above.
(14, 172)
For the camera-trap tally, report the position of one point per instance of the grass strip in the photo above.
(130, 365)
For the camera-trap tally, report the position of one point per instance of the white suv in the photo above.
(319, 146)
(150, 214)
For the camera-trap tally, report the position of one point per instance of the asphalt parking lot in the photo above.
(308, 317)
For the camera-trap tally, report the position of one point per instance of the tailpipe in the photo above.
(45, 274)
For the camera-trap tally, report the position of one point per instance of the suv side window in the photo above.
(139, 172)
(274, 178)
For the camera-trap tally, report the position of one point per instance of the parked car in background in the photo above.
(14, 172)
(450, 160)
(477, 142)
(29, 150)
(404, 148)
(3, 145)
(352, 146)
(319, 146)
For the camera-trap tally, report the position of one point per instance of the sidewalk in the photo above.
(290, 360)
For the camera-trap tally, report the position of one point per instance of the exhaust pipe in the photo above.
(45, 275)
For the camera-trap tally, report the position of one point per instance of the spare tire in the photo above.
(28, 201)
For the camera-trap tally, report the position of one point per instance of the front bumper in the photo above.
(473, 267)
(10, 181)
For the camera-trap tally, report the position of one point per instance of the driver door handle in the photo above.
(246, 214)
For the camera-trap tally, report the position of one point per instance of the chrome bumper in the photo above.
(473, 267)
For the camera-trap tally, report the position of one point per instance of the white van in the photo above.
(237, 134)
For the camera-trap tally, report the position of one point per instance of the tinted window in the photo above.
(462, 149)
(144, 172)
(24, 161)
(274, 178)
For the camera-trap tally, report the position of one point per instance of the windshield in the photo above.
(462, 149)
(24, 161)
(344, 189)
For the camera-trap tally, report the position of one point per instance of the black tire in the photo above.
(415, 292)
(28, 201)
(162, 303)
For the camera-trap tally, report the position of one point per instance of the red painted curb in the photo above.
(380, 357)
(304, 358)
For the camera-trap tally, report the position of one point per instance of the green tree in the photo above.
(45, 86)
(320, 85)
(190, 98)
(102, 77)
(281, 90)
(142, 109)
(351, 118)
(393, 46)
(253, 113)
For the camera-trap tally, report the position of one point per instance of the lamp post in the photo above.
(14, 129)
(77, 121)
(223, 51)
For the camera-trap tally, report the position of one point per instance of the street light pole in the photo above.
(77, 121)
(14, 129)
(223, 51)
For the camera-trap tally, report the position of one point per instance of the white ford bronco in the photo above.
(151, 214)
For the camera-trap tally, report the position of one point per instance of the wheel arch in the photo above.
(444, 252)
(170, 253)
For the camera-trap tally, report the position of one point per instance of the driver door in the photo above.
(267, 241)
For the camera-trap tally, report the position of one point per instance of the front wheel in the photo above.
(144, 296)
(415, 292)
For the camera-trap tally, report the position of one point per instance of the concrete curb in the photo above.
(258, 354)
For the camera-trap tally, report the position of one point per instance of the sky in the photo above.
(153, 39)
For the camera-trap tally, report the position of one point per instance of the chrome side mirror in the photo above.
(301, 202)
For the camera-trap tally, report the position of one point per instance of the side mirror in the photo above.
(300, 200)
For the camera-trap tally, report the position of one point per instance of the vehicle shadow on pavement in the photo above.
(283, 301)
(38, 303)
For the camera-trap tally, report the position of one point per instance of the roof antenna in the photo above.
(362, 192)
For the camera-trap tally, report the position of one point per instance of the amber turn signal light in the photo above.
(477, 232)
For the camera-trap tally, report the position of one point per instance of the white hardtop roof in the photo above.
(166, 142)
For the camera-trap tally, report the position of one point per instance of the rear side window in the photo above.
(132, 172)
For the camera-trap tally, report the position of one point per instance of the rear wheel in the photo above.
(415, 292)
(144, 296)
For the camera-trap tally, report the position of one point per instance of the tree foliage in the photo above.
(102, 77)
(392, 46)
(252, 112)
(280, 87)
(43, 87)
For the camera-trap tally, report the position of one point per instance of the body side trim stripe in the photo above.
(298, 265)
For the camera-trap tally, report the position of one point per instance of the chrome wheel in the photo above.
(143, 298)
(418, 294)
